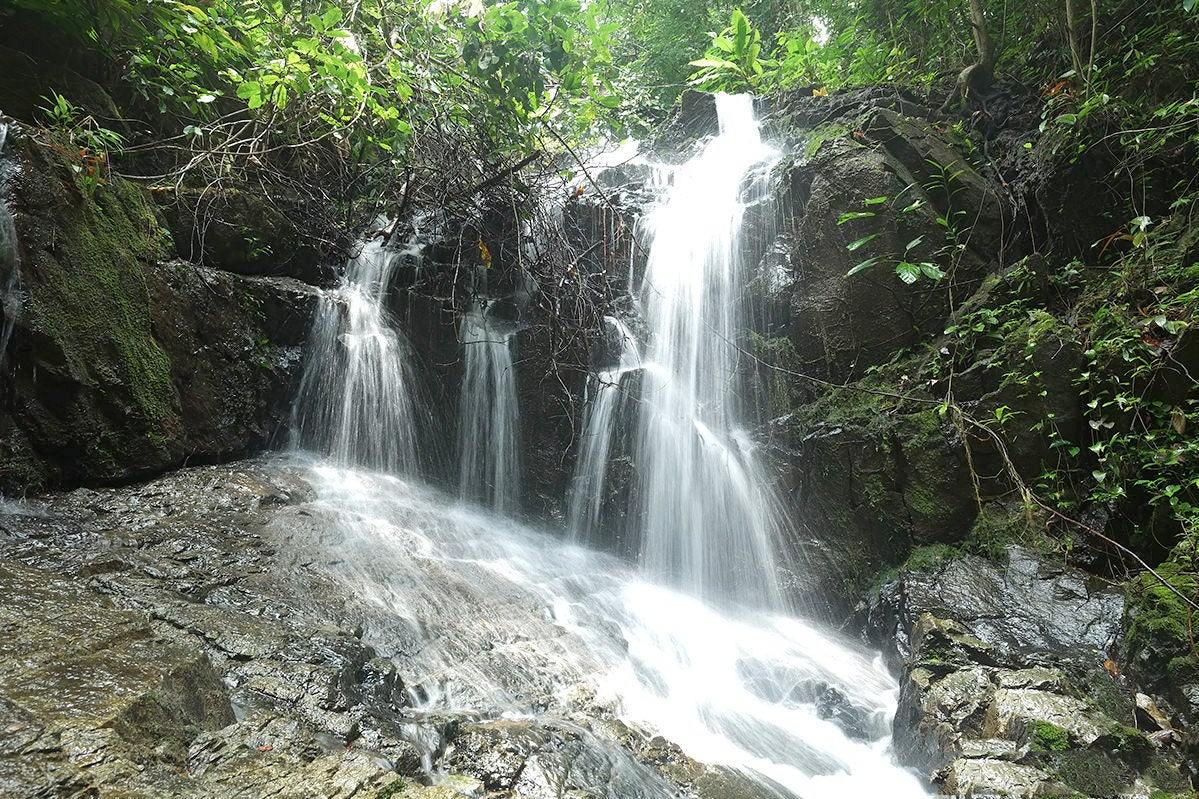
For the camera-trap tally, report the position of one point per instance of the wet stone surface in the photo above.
(181, 638)
(1008, 688)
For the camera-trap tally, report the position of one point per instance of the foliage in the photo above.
(84, 142)
(377, 96)
(734, 61)
(908, 266)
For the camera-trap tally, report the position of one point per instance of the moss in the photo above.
(995, 529)
(1044, 736)
(924, 558)
(1088, 772)
(1128, 743)
(92, 299)
(822, 133)
(391, 789)
(1159, 624)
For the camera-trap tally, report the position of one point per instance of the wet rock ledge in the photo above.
(163, 640)
(1011, 686)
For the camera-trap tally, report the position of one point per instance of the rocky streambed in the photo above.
(190, 637)
(194, 636)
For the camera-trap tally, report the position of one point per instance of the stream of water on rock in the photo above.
(497, 620)
(10, 268)
(488, 426)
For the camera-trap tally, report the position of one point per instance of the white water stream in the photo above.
(495, 619)
(358, 397)
(512, 622)
(11, 295)
(488, 417)
(702, 511)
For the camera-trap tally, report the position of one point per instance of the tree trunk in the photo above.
(974, 80)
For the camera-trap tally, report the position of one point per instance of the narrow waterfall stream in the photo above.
(358, 399)
(10, 268)
(493, 619)
(488, 426)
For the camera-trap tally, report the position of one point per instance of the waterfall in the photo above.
(488, 424)
(11, 295)
(702, 511)
(358, 400)
(606, 393)
(494, 620)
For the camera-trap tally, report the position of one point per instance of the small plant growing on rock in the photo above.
(1044, 736)
(84, 142)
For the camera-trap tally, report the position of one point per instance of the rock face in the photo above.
(1009, 687)
(121, 361)
(180, 639)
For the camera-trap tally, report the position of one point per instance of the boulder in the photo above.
(1008, 686)
(122, 362)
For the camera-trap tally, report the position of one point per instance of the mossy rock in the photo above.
(1159, 625)
(93, 394)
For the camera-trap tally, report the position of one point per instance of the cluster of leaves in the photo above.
(372, 95)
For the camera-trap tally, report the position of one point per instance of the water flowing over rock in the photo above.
(358, 397)
(701, 513)
(488, 417)
(329, 627)
(10, 266)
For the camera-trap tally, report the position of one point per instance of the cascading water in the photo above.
(702, 510)
(491, 619)
(357, 399)
(11, 295)
(488, 424)
(606, 393)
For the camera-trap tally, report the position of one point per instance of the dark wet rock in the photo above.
(1005, 689)
(551, 372)
(842, 325)
(25, 76)
(235, 346)
(248, 233)
(886, 481)
(1029, 611)
(122, 363)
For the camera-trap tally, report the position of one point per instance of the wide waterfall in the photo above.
(488, 426)
(491, 619)
(702, 510)
(358, 397)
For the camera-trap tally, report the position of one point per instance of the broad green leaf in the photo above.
(858, 243)
(908, 272)
(863, 266)
(936, 273)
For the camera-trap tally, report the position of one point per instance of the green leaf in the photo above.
(854, 215)
(856, 244)
(875, 200)
(913, 243)
(908, 272)
(863, 266)
(934, 272)
(250, 90)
